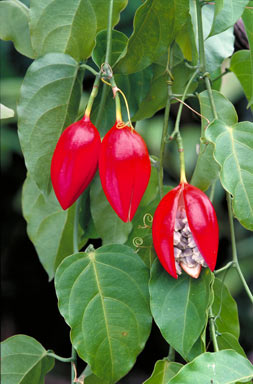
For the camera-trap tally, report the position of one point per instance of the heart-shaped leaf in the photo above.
(224, 367)
(179, 306)
(70, 27)
(234, 153)
(50, 96)
(24, 361)
(103, 296)
(14, 19)
(163, 371)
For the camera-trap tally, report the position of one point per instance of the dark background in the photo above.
(29, 304)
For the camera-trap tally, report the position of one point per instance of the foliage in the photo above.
(109, 295)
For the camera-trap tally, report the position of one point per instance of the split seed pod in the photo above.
(185, 231)
(75, 161)
(124, 168)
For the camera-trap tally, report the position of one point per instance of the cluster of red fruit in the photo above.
(185, 229)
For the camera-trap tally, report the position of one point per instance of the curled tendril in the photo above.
(121, 124)
(147, 219)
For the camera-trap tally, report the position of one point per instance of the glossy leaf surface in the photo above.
(24, 360)
(163, 371)
(224, 367)
(44, 216)
(179, 306)
(234, 153)
(70, 27)
(14, 26)
(75, 161)
(103, 296)
(50, 96)
(124, 169)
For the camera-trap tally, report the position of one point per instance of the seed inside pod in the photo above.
(186, 252)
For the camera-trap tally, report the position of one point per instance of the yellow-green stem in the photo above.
(92, 97)
(165, 123)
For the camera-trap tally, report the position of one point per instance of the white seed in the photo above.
(178, 269)
(177, 253)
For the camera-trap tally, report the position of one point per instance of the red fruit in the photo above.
(75, 161)
(124, 168)
(185, 231)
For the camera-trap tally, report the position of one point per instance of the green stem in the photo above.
(59, 358)
(172, 353)
(107, 61)
(76, 225)
(73, 373)
(176, 132)
(93, 71)
(165, 125)
(202, 58)
(109, 34)
(213, 330)
(92, 97)
(234, 250)
(225, 268)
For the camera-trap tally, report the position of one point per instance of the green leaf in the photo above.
(225, 309)
(157, 94)
(217, 47)
(14, 18)
(119, 43)
(107, 223)
(44, 216)
(228, 341)
(5, 112)
(24, 361)
(186, 40)
(179, 306)
(227, 12)
(103, 296)
(156, 24)
(70, 27)
(234, 153)
(49, 101)
(163, 371)
(241, 65)
(224, 367)
(207, 170)
(90, 378)
(247, 18)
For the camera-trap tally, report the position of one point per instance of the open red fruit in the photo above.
(75, 161)
(185, 231)
(124, 168)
